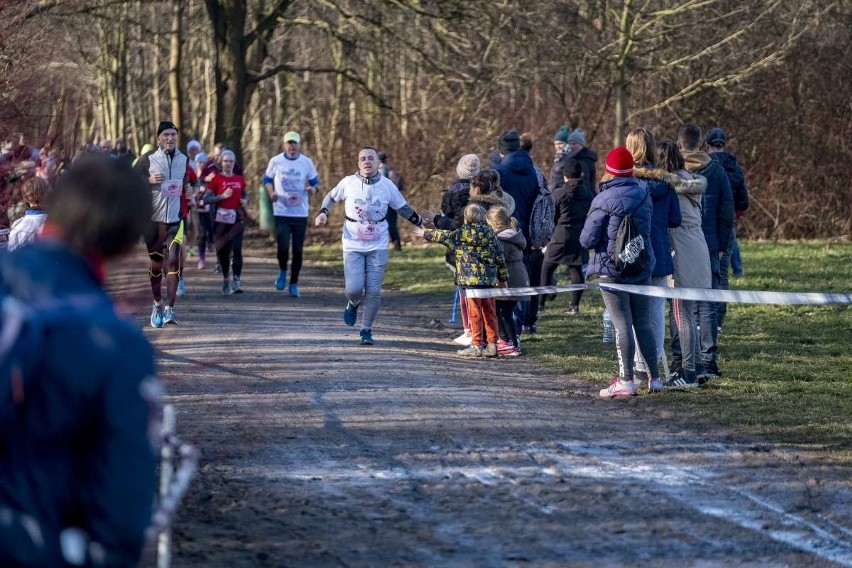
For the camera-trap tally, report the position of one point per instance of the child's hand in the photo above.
(429, 218)
(418, 230)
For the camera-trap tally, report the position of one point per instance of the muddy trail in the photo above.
(317, 451)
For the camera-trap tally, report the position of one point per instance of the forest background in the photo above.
(430, 80)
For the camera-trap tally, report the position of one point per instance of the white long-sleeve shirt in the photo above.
(365, 207)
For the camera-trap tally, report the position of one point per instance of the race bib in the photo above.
(4, 238)
(227, 216)
(171, 188)
(367, 232)
(292, 199)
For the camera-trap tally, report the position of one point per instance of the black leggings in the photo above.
(576, 272)
(237, 250)
(226, 247)
(204, 231)
(506, 323)
(285, 227)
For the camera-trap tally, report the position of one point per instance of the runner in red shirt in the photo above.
(225, 192)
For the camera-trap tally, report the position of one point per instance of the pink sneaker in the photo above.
(512, 351)
(504, 345)
(618, 387)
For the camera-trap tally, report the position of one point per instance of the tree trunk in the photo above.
(237, 53)
(175, 41)
(155, 71)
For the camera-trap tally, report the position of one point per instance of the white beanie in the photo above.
(468, 166)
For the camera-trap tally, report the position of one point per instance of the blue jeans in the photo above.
(736, 260)
(657, 321)
(725, 259)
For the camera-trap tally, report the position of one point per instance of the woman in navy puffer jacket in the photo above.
(620, 195)
(664, 216)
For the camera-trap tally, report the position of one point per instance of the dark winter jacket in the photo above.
(617, 198)
(587, 160)
(557, 180)
(518, 178)
(479, 254)
(514, 243)
(736, 177)
(453, 201)
(572, 202)
(76, 451)
(665, 216)
(717, 206)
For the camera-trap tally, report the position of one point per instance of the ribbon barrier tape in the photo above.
(699, 294)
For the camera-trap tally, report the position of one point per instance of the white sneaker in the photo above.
(463, 339)
(618, 387)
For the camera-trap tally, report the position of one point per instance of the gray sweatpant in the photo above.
(363, 273)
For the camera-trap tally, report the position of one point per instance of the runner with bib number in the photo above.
(225, 192)
(289, 179)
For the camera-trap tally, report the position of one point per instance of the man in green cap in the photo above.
(289, 179)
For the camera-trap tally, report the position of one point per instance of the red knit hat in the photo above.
(619, 162)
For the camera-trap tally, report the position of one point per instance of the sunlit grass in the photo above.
(787, 369)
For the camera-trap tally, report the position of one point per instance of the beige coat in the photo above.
(689, 248)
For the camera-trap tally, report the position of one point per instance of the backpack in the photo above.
(541, 219)
(631, 250)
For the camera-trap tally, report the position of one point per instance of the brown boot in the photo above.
(490, 350)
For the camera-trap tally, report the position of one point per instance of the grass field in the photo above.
(786, 368)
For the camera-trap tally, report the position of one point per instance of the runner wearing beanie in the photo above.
(167, 172)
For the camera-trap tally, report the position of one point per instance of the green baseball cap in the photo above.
(292, 136)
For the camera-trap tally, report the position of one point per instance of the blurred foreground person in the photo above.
(77, 386)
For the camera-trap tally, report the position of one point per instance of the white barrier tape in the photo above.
(528, 291)
(698, 294)
(164, 515)
(732, 296)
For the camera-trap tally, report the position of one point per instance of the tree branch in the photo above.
(267, 23)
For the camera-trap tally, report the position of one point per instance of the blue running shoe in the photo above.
(366, 337)
(350, 314)
(181, 289)
(294, 290)
(281, 281)
(157, 316)
(169, 315)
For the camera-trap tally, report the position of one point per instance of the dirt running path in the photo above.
(320, 452)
